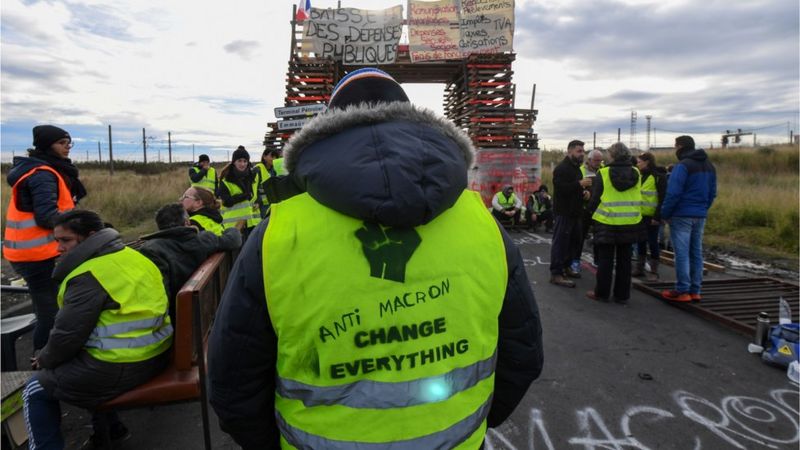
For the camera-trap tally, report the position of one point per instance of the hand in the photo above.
(534, 217)
(655, 222)
(509, 213)
(586, 182)
(35, 363)
(586, 195)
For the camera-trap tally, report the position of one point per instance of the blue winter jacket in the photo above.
(38, 193)
(692, 186)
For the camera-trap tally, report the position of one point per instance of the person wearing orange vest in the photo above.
(44, 184)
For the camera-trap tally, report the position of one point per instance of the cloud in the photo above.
(99, 20)
(244, 49)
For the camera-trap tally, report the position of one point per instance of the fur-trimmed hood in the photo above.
(391, 163)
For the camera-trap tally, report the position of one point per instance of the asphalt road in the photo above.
(642, 376)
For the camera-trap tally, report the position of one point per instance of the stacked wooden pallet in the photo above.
(480, 100)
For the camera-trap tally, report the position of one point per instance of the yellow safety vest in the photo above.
(506, 202)
(246, 210)
(397, 350)
(649, 196)
(207, 224)
(277, 164)
(264, 175)
(619, 208)
(209, 181)
(141, 328)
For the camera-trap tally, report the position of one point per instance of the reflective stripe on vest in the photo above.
(209, 181)
(141, 328)
(619, 208)
(381, 343)
(506, 202)
(246, 210)
(208, 224)
(649, 196)
(467, 428)
(24, 240)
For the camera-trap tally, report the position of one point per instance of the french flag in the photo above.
(303, 10)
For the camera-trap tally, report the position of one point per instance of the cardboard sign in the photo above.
(494, 169)
(433, 30)
(357, 37)
(487, 26)
(303, 110)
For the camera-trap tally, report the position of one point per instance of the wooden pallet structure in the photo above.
(479, 93)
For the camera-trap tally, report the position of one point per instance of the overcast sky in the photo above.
(212, 72)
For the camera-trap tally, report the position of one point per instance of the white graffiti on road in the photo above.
(742, 422)
(535, 262)
(531, 239)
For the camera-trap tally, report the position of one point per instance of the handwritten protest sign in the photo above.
(354, 36)
(433, 30)
(487, 26)
(494, 169)
(453, 29)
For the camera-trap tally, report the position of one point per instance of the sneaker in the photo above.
(559, 280)
(696, 297)
(570, 272)
(675, 296)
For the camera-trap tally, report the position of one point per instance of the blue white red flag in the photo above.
(303, 10)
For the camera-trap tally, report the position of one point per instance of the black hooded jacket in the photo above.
(623, 177)
(391, 164)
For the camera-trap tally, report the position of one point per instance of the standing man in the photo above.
(691, 189)
(568, 197)
(203, 175)
(381, 328)
(594, 161)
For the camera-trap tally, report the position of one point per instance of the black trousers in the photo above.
(607, 255)
(566, 243)
(502, 218)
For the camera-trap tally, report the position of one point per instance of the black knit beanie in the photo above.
(203, 157)
(45, 136)
(240, 153)
(367, 85)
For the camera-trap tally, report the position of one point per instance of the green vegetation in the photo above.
(757, 210)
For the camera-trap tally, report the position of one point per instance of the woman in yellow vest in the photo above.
(203, 210)
(358, 318)
(111, 334)
(44, 184)
(654, 188)
(238, 191)
(616, 210)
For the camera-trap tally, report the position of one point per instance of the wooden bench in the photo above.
(184, 380)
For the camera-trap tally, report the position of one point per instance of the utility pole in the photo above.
(87, 155)
(144, 146)
(193, 153)
(533, 96)
(594, 140)
(633, 130)
(110, 152)
(169, 145)
(99, 155)
(229, 155)
(619, 134)
(648, 117)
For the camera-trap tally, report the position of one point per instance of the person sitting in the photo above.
(539, 210)
(111, 334)
(506, 206)
(178, 249)
(203, 210)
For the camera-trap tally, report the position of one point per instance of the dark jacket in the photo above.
(197, 175)
(69, 372)
(38, 193)
(692, 186)
(410, 166)
(623, 177)
(245, 183)
(660, 174)
(567, 191)
(179, 251)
